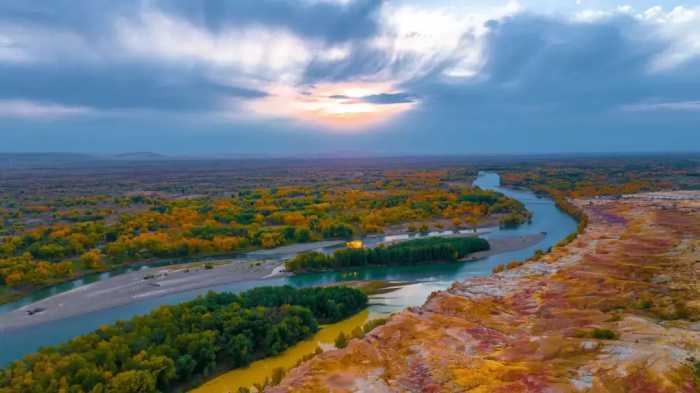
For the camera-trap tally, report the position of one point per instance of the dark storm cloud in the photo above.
(92, 20)
(135, 86)
(555, 85)
(539, 64)
(116, 80)
(386, 98)
(324, 20)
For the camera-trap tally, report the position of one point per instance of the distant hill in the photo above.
(140, 156)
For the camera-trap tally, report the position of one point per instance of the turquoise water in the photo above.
(423, 279)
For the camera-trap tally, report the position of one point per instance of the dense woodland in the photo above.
(59, 224)
(178, 344)
(52, 240)
(412, 252)
(604, 176)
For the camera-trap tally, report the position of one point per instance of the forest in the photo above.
(412, 252)
(178, 344)
(59, 225)
(604, 176)
(52, 238)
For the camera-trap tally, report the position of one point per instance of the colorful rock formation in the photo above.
(616, 310)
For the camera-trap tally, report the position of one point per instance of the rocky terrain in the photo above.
(616, 310)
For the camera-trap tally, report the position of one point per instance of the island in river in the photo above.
(151, 283)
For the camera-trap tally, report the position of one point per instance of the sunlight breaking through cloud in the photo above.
(441, 72)
(339, 106)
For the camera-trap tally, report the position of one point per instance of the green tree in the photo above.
(185, 366)
(240, 349)
(132, 381)
(341, 341)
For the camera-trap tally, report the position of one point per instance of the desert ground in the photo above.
(616, 310)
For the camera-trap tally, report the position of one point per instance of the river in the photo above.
(423, 279)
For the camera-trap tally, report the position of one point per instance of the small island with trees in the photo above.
(412, 252)
(49, 237)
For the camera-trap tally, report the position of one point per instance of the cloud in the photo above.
(255, 52)
(679, 27)
(168, 55)
(548, 84)
(119, 87)
(9, 50)
(327, 21)
(39, 110)
(34, 44)
(534, 61)
(684, 106)
(398, 74)
(333, 106)
(412, 42)
(387, 98)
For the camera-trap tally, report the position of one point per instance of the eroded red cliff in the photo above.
(613, 311)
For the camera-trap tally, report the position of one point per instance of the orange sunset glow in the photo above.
(336, 105)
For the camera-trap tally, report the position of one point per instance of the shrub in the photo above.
(604, 334)
(341, 341)
(514, 264)
(370, 325)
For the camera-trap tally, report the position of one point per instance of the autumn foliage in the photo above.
(96, 233)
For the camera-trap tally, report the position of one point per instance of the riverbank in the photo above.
(157, 282)
(614, 310)
(500, 246)
(134, 286)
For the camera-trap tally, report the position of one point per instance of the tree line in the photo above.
(176, 344)
(139, 228)
(412, 252)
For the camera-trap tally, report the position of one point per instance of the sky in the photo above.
(306, 77)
